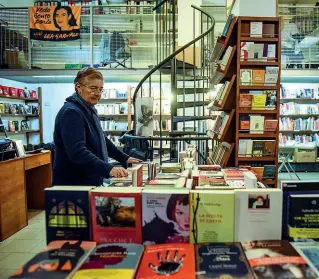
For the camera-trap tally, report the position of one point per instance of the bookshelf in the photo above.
(270, 37)
(15, 109)
(229, 101)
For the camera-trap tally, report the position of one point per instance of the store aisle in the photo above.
(22, 246)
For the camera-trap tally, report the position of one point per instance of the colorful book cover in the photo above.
(271, 99)
(310, 252)
(58, 260)
(244, 123)
(258, 77)
(259, 102)
(291, 188)
(276, 259)
(68, 213)
(303, 220)
(271, 125)
(245, 101)
(116, 215)
(137, 176)
(246, 77)
(257, 214)
(165, 216)
(222, 260)
(176, 261)
(212, 216)
(258, 148)
(112, 261)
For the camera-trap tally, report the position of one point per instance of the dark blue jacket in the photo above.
(78, 156)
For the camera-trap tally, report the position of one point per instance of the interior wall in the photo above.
(255, 8)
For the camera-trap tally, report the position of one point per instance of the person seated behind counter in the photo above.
(82, 151)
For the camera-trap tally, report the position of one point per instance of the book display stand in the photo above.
(248, 66)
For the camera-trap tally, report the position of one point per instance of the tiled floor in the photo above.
(22, 246)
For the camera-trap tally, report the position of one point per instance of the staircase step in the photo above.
(191, 104)
(191, 118)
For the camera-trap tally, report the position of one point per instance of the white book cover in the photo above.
(165, 216)
(271, 75)
(145, 120)
(242, 149)
(258, 214)
(310, 252)
(256, 29)
(221, 97)
(249, 148)
(271, 51)
(257, 123)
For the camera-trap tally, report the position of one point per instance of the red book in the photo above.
(271, 125)
(116, 215)
(168, 261)
(13, 92)
(33, 94)
(21, 93)
(209, 167)
(5, 90)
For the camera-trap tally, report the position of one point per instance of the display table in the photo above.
(22, 184)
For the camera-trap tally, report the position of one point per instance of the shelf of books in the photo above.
(20, 113)
(258, 89)
(249, 92)
(299, 124)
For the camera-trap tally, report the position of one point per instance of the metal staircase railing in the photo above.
(190, 70)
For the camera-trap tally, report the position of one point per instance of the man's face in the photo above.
(90, 90)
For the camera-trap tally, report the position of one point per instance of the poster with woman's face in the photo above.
(59, 23)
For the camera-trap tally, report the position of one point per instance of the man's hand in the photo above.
(118, 172)
(132, 160)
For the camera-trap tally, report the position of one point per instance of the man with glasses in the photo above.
(82, 150)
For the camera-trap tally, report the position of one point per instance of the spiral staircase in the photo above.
(189, 70)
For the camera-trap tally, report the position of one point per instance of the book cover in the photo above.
(169, 261)
(258, 77)
(116, 260)
(269, 148)
(271, 125)
(256, 29)
(271, 75)
(222, 260)
(303, 220)
(290, 188)
(276, 259)
(271, 99)
(212, 216)
(258, 148)
(145, 119)
(2, 108)
(246, 76)
(310, 252)
(244, 123)
(257, 124)
(116, 215)
(165, 216)
(257, 214)
(12, 127)
(269, 171)
(245, 101)
(58, 260)
(258, 102)
(67, 212)
(244, 50)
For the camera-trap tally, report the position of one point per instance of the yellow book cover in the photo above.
(258, 77)
(212, 216)
(259, 102)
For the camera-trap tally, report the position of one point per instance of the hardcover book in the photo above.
(259, 102)
(246, 77)
(137, 176)
(245, 101)
(276, 259)
(116, 215)
(257, 214)
(59, 260)
(269, 148)
(165, 216)
(168, 261)
(221, 260)
(112, 261)
(212, 216)
(258, 148)
(258, 77)
(271, 76)
(303, 220)
(291, 188)
(67, 211)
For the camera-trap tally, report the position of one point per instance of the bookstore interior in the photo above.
(159, 139)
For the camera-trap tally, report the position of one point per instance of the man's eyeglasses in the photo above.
(94, 90)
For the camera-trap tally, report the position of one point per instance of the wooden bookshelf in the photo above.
(271, 35)
(24, 101)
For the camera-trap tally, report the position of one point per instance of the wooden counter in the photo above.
(22, 184)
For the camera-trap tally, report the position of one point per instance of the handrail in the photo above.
(176, 52)
(160, 5)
